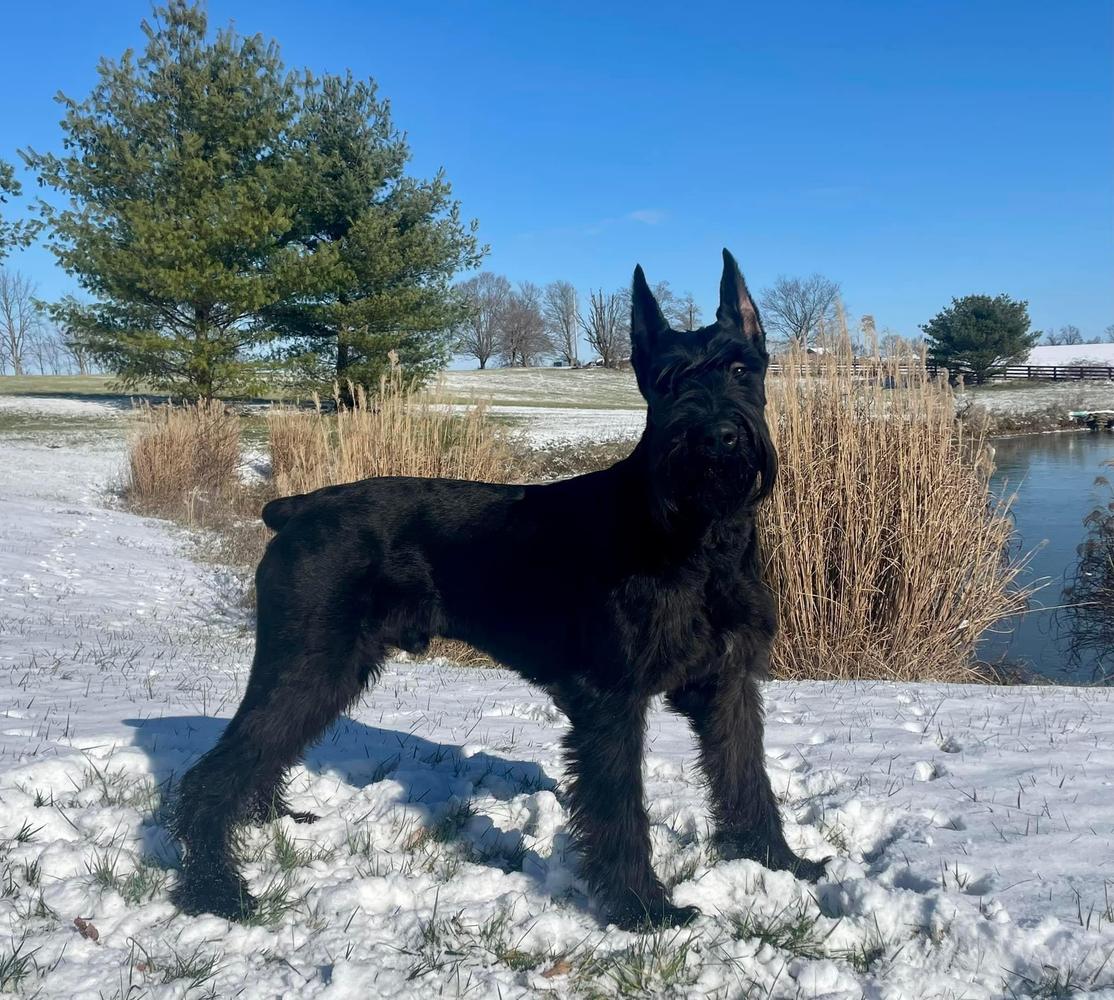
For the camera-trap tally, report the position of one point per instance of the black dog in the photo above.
(661, 594)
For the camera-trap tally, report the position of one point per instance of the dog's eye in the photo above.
(737, 369)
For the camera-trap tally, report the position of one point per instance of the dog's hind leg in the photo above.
(726, 715)
(604, 755)
(244, 772)
(310, 665)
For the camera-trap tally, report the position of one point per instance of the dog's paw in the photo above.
(802, 868)
(809, 871)
(650, 912)
(226, 896)
(776, 859)
(302, 817)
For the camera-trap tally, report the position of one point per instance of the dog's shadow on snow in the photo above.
(439, 778)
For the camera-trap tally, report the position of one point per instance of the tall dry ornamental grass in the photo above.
(183, 461)
(393, 432)
(885, 547)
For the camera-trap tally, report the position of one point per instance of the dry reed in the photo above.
(183, 461)
(885, 547)
(394, 432)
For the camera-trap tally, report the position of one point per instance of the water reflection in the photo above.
(1089, 595)
(1054, 479)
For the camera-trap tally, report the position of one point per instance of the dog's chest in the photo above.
(685, 621)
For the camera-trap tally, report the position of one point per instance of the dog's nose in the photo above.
(722, 439)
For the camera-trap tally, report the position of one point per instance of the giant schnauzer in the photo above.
(662, 593)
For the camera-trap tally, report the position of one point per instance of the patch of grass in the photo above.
(32, 873)
(58, 385)
(137, 880)
(508, 859)
(653, 966)
(26, 833)
(16, 965)
(104, 866)
(274, 903)
(196, 967)
(119, 788)
(143, 883)
(1055, 983)
(794, 929)
(21, 423)
(288, 855)
(445, 942)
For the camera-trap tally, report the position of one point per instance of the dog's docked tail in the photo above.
(278, 512)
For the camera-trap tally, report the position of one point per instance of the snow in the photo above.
(1024, 397)
(1066, 354)
(544, 427)
(65, 408)
(971, 826)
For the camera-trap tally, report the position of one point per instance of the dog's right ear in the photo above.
(647, 326)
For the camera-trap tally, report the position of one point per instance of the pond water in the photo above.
(1054, 477)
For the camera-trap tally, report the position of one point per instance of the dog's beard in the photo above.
(690, 480)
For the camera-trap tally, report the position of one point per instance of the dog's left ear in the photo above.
(737, 310)
(647, 326)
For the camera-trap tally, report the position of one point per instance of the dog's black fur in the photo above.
(660, 593)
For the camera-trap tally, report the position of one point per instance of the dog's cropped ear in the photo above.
(647, 326)
(737, 310)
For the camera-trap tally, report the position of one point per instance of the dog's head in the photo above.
(706, 431)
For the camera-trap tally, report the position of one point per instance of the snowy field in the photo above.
(1022, 397)
(1065, 354)
(601, 388)
(972, 828)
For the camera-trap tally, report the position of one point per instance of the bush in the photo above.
(394, 432)
(183, 461)
(884, 546)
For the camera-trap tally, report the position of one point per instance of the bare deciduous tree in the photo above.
(606, 326)
(688, 312)
(77, 352)
(893, 345)
(562, 318)
(680, 311)
(46, 350)
(486, 295)
(523, 340)
(1069, 335)
(1109, 331)
(20, 320)
(868, 331)
(800, 308)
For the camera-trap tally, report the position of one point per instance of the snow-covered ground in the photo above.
(972, 828)
(545, 427)
(1066, 354)
(1019, 397)
(599, 387)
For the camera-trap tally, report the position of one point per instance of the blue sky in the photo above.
(910, 151)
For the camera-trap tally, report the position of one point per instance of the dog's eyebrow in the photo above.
(686, 365)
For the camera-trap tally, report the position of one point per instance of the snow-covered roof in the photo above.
(1066, 354)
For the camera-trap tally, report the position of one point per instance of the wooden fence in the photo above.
(1053, 373)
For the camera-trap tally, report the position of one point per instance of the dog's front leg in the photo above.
(604, 758)
(726, 713)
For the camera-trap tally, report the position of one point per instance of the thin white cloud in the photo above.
(643, 216)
